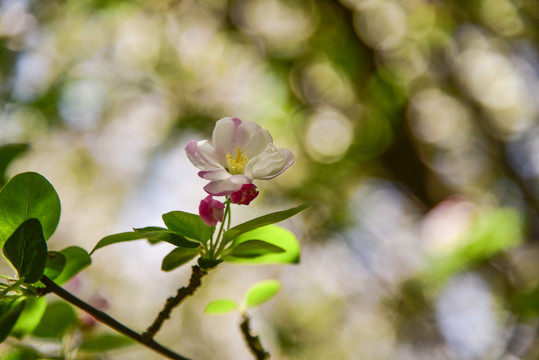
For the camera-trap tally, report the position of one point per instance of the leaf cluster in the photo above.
(255, 296)
(257, 241)
(29, 214)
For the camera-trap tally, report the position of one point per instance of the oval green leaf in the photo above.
(253, 248)
(157, 234)
(116, 238)
(264, 220)
(261, 292)
(207, 263)
(189, 225)
(55, 264)
(274, 235)
(77, 259)
(22, 353)
(177, 258)
(34, 308)
(59, 318)
(221, 306)
(26, 249)
(10, 310)
(25, 196)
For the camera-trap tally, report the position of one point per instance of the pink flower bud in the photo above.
(211, 211)
(245, 195)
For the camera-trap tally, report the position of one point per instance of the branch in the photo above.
(107, 320)
(195, 281)
(253, 341)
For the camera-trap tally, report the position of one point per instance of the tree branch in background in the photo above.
(51, 287)
(195, 281)
(253, 341)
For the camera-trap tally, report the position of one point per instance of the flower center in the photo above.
(236, 165)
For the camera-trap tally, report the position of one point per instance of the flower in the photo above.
(239, 153)
(211, 211)
(245, 195)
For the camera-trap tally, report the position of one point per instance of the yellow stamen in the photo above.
(236, 165)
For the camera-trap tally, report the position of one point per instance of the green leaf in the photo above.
(30, 317)
(221, 306)
(261, 292)
(8, 153)
(189, 225)
(263, 221)
(26, 249)
(77, 259)
(56, 261)
(105, 342)
(116, 238)
(253, 248)
(26, 196)
(10, 310)
(274, 235)
(156, 234)
(177, 258)
(58, 319)
(22, 353)
(208, 263)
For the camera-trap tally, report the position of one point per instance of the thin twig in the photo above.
(253, 341)
(51, 287)
(172, 302)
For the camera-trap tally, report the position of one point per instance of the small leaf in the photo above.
(8, 153)
(263, 221)
(23, 353)
(10, 310)
(59, 318)
(253, 248)
(177, 258)
(274, 235)
(26, 196)
(56, 262)
(156, 234)
(116, 238)
(77, 259)
(261, 292)
(30, 317)
(26, 249)
(105, 342)
(221, 306)
(208, 263)
(189, 225)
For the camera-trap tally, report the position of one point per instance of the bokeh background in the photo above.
(415, 129)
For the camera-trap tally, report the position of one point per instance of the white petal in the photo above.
(252, 139)
(223, 136)
(228, 186)
(270, 163)
(202, 155)
(218, 174)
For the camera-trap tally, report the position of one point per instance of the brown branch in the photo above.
(172, 302)
(253, 341)
(51, 287)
